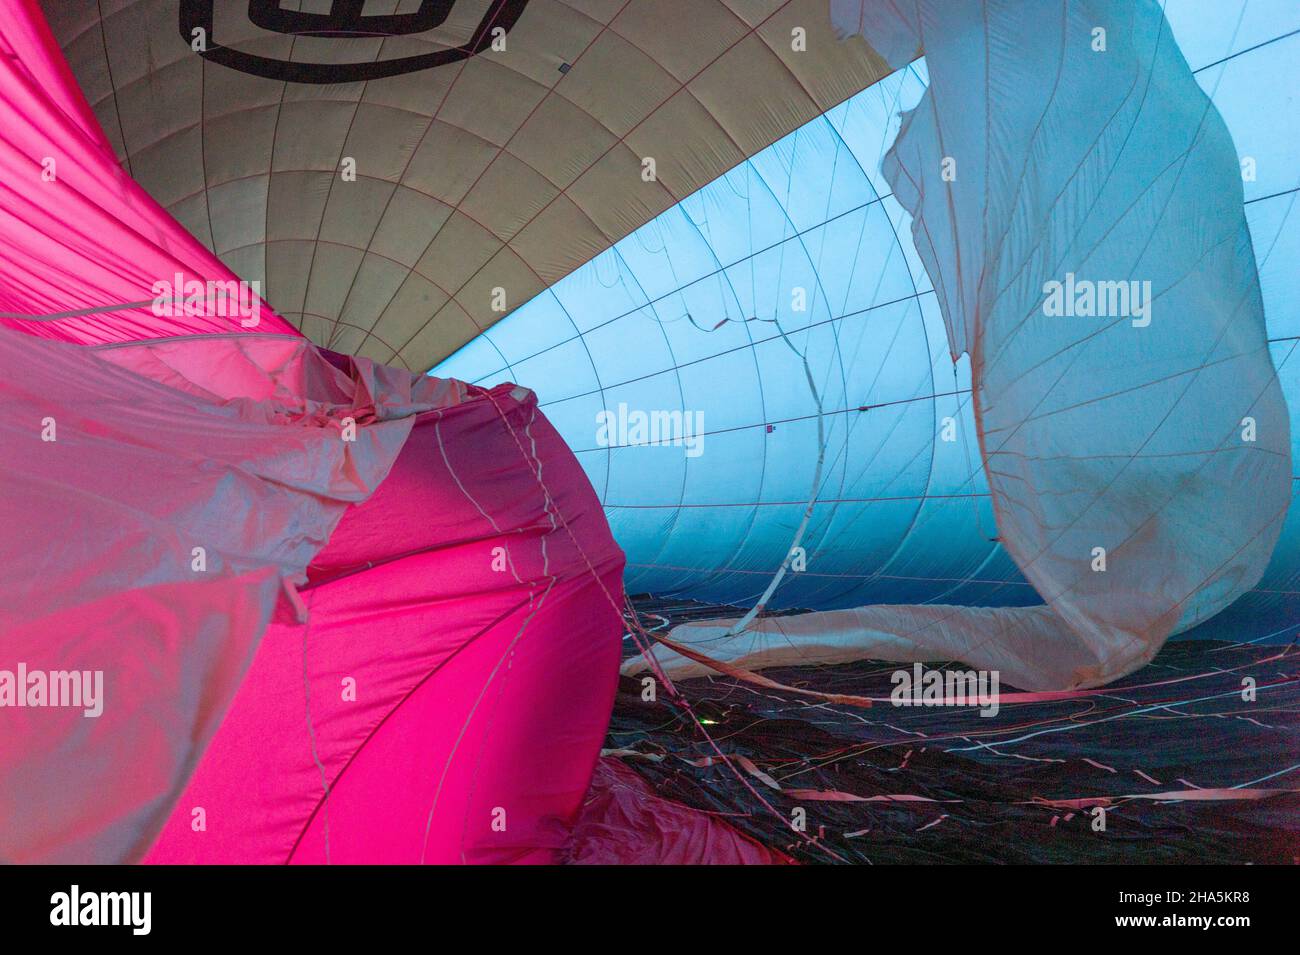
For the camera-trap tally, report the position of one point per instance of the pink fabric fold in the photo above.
(624, 822)
(448, 695)
(148, 533)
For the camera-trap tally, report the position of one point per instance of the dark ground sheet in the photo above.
(989, 776)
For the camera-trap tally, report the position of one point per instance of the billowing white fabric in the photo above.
(1138, 459)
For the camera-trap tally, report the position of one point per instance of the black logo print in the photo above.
(345, 20)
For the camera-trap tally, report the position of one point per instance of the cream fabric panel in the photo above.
(503, 170)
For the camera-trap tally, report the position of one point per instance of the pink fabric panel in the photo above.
(121, 460)
(477, 688)
(25, 33)
(90, 236)
(624, 822)
(111, 480)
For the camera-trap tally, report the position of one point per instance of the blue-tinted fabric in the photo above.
(698, 311)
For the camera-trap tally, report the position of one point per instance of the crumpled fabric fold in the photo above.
(151, 531)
